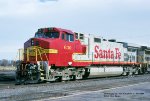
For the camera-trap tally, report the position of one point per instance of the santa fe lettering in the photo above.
(107, 54)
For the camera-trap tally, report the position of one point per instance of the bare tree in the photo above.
(4, 62)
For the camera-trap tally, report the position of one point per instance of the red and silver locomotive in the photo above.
(56, 54)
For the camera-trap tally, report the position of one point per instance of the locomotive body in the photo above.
(56, 54)
(100, 51)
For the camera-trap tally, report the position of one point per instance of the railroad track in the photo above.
(11, 82)
(9, 91)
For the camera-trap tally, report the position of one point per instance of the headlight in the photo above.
(32, 42)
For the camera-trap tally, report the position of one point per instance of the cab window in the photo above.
(63, 36)
(69, 37)
(52, 34)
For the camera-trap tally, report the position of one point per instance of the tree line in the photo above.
(5, 62)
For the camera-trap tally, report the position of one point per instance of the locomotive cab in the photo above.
(54, 45)
(49, 50)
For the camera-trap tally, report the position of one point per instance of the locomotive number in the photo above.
(67, 47)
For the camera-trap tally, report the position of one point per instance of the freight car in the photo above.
(56, 54)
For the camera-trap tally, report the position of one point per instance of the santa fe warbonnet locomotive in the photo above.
(56, 54)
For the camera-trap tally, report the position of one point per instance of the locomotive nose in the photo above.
(40, 42)
(36, 49)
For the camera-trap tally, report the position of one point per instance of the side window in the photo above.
(81, 36)
(76, 35)
(69, 37)
(98, 40)
(63, 36)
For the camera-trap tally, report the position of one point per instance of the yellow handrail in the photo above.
(40, 54)
(45, 55)
(37, 51)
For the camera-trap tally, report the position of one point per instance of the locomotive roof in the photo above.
(59, 29)
(133, 45)
(63, 30)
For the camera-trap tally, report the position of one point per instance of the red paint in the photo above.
(118, 54)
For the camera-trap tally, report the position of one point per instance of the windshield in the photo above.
(39, 35)
(47, 35)
(52, 34)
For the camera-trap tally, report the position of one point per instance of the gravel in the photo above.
(11, 92)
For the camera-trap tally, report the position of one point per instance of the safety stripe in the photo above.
(32, 50)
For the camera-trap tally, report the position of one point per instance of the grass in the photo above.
(7, 68)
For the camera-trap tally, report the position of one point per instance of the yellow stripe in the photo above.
(40, 50)
(106, 61)
(54, 51)
(78, 53)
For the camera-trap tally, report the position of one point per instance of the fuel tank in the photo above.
(105, 71)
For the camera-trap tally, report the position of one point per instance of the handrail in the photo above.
(45, 55)
(40, 54)
(36, 52)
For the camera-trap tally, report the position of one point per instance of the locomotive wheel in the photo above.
(32, 74)
(73, 78)
(59, 79)
(33, 78)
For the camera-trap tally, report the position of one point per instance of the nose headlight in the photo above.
(32, 42)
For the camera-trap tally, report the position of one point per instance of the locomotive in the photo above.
(56, 54)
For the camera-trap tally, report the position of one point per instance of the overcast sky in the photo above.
(124, 20)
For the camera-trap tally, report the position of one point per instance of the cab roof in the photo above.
(57, 29)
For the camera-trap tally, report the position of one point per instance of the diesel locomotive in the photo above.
(56, 54)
